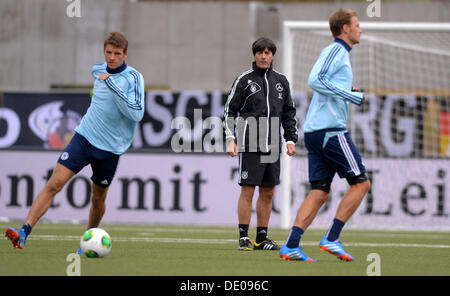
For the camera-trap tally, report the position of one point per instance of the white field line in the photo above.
(368, 233)
(149, 229)
(399, 235)
(226, 241)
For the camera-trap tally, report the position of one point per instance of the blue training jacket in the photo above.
(331, 79)
(117, 105)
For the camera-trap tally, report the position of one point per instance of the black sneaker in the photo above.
(245, 244)
(267, 244)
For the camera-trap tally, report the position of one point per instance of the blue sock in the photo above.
(294, 237)
(335, 230)
(27, 228)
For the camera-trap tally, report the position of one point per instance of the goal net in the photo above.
(404, 69)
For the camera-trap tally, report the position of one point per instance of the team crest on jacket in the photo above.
(253, 87)
(244, 175)
(279, 87)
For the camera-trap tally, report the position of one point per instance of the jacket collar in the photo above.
(259, 70)
(343, 43)
(118, 69)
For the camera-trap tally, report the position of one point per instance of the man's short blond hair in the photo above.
(116, 39)
(339, 19)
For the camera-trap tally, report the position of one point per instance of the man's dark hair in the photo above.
(262, 43)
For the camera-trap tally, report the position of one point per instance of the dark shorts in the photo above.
(79, 153)
(331, 152)
(256, 173)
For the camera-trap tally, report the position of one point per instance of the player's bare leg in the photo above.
(264, 205)
(263, 211)
(351, 200)
(245, 204)
(98, 205)
(305, 215)
(43, 201)
(244, 216)
(310, 207)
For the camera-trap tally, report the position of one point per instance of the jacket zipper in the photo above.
(268, 109)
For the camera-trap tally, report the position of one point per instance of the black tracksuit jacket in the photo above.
(258, 94)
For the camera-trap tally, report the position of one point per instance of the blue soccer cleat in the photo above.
(335, 248)
(294, 254)
(80, 251)
(17, 237)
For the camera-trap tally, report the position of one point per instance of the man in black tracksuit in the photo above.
(259, 103)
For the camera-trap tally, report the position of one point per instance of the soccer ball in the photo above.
(95, 243)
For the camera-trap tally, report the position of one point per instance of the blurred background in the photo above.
(177, 45)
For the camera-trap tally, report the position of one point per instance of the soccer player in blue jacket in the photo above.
(330, 148)
(104, 133)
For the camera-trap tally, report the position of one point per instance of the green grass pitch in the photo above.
(161, 250)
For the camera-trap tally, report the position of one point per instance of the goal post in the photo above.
(407, 59)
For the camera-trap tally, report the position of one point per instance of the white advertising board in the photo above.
(202, 189)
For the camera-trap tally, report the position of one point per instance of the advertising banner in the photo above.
(395, 125)
(40, 120)
(199, 188)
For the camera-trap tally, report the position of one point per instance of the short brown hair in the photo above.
(116, 39)
(339, 19)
